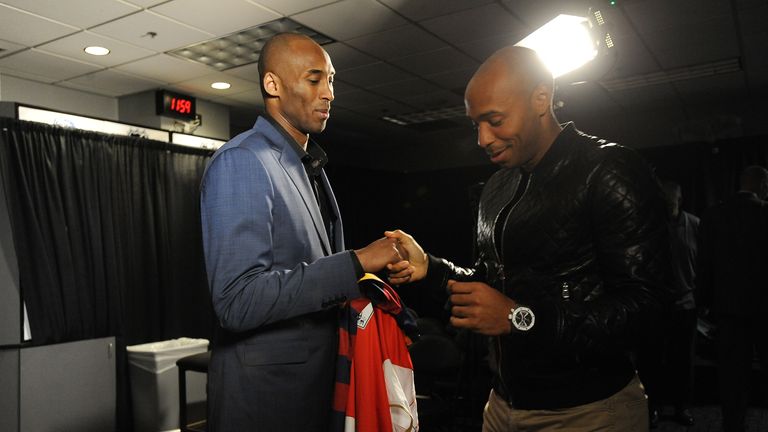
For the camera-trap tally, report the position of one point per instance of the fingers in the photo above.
(395, 268)
(460, 287)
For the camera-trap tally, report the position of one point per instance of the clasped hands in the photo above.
(475, 305)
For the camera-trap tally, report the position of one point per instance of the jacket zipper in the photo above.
(501, 274)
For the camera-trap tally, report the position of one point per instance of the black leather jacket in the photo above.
(586, 248)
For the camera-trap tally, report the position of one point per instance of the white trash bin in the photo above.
(155, 382)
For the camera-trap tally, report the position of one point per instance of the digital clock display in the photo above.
(175, 105)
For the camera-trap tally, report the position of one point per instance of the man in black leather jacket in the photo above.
(573, 260)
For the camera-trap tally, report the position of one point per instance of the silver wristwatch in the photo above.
(522, 318)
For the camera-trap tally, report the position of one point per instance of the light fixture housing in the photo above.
(96, 50)
(221, 85)
(564, 44)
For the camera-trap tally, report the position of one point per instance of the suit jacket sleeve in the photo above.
(248, 287)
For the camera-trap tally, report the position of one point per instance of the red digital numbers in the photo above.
(183, 106)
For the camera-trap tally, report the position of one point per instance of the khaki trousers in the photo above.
(625, 411)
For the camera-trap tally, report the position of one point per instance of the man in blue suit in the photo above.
(275, 257)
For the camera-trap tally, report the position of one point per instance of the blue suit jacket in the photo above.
(274, 283)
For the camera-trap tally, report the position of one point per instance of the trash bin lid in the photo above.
(158, 357)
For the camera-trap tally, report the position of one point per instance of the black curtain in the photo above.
(107, 233)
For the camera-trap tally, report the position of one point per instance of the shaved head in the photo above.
(512, 69)
(509, 100)
(297, 84)
(275, 53)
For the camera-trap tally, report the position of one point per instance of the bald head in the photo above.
(276, 52)
(755, 179)
(511, 70)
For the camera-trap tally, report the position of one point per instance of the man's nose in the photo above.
(484, 136)
(326, 93)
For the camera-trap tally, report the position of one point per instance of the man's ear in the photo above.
(272, 84)
(542, 98)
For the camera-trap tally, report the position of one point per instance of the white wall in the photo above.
(55, 98)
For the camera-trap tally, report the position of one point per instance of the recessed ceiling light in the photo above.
(221, 85)
(96, 50)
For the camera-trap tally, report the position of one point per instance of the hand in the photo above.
(413, 254)
(378, 254)
(480, 308)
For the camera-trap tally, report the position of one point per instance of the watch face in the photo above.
(523, 318)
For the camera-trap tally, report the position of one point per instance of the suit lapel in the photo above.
(293, 167)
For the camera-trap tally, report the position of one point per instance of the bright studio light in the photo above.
(563, 44)
(221, 85)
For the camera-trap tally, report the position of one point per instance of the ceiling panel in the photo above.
(7, 48)
(151, 31)
(15, 26)
(703, 42)
(712, 88)
(249, 72)
(348, 19)
(406, 88)
(248, 98)
(201, 86)
(46, 67)
(437, 61)
(290, 7)
(650, 16)
(537, 13)
(483, 48)
(111, 83)
(340, 87)
(145, 3)
(588, 96)
(384, 108)
(439, 99)
(397, 42)
(72, 46)
(71, 11)
(479, 23)
(165, 68)
(356, 98)
(420, 10)
(220, 17)
(646, 97)
(345, 57)
(374, 75)
(632, 58)
(455, 80)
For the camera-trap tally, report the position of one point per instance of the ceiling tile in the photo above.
(481, 49)
(145, 3)
(341, 88)
(405, 88)
(397, 42)
(479, 23)
(73, 45)
(7, 48)
(110, 82)
(249, 72)
(419, 10)
(221, 17)
(165, 68)
(345, 57)
(455, 80)
(650, 16)
(46, 67)
(15, 26)
(136, 29)
(250, 98)
(633, 58)
(384, 108)
(437, 61)
(348, 19)
(356, 99)
(80, 13)
(535, 14)
(290, 7)
(586, 97)
(201, 86)
(694, 44)
(440, 99)
(701, 90)
(648, 96)
(374, 74)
